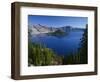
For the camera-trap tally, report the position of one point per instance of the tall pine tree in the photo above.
(83, 49)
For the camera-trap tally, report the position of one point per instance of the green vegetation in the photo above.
(71, 59)
(39, 55)
(83, 49)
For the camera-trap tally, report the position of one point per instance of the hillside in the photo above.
(38, 29)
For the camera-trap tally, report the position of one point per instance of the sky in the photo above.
(58, 21)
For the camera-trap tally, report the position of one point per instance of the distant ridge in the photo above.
(38, 29)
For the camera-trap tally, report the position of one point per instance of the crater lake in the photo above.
(61, 45)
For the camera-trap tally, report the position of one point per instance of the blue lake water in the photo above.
(60, 45)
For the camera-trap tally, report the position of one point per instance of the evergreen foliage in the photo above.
(39, 55)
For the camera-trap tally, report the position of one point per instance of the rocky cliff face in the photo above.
(38, 29)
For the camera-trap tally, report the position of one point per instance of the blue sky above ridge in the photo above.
(58, 21)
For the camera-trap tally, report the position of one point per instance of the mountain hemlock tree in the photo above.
(83, 49)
